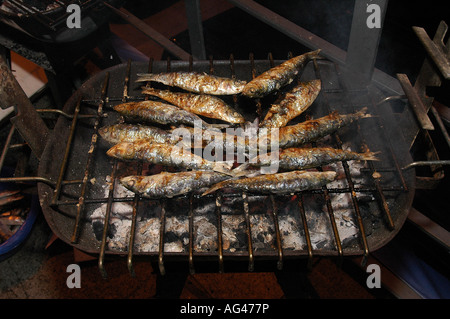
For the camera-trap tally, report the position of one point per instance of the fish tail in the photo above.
(150, 91)
(363, 113)
(223, 167)
(314, 54)
(215, 187)
(370, 156)
(241, 170)
(145, 77)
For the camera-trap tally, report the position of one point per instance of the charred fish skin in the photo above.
(304, 158)
(117, 133)
(292, 104)
(278, 76)
(157, 112)
(312, 130)
(164, 154)
(200, 104)
(196, 82)
(168, 185)
(279, 183)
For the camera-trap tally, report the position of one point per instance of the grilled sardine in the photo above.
(201, 83)
(165, 154)
(292, 104)
(117, 133)
(280, 183)
(200, 104)
(303, 158)
(278, 76)
(157, 112)
(312, 130)
(169, 185)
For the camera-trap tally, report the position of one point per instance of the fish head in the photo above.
(129, 181)
(123, 150)
(253, 90)
(104, 131)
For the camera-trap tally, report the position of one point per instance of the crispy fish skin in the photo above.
(278, 76)
(164, 154)
(312, 130)
(196, 82)
(167, 185)
(279, 183)
(117, 133)
(292, 104)
(200, 104)
(304, 158)
(204, 137)
(157, 112)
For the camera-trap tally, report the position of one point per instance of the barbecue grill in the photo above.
(81, 178)
(359, 213)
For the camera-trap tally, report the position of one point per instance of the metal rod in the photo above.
(274, 215)
(191, 236)
(248, 231)
(356, 208)
(426, 163)
(306, 229)
(27, 179)
(69, 116)
(81, 201)
(441, 125)
(416, 102)
(162, 227)
(6, 147)
(112, 185)
(150, 32)
(62, 170)
(333, 222)
(133, 228)
(126, 82)
(257, 101)
(436, 52)
(219, 231)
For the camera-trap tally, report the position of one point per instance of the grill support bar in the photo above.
(81, 201)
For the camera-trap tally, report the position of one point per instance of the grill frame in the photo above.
(67, 130)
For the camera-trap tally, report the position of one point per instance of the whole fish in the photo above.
(165, 154)
(278, 76)
(312, 130)
(200, 104)
(167, 184)
(280, 183)
(158, 112)
(117, 133)
(196, 82)
(303, 158)
(292, 104)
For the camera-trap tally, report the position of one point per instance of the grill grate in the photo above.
(392, 192)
